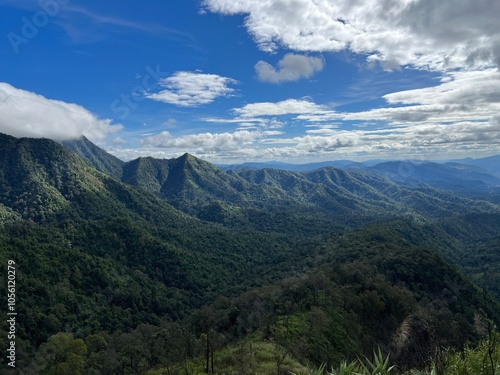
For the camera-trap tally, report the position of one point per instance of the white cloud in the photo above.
(291, 67)
(119, 141)
(272, 132)
(192, 89)
(438, 139)
(459, 113)
(274, 123)
(461, 96)
(458, 40)
(285, 107)
(248, 122)
(236, 120)
(134, 153)
(468, 87)
(331, 142)
(26, 114)
(322, 129)
(429, 34)
(203, 141)
(412, 141)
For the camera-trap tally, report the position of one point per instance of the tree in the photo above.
(62, 354)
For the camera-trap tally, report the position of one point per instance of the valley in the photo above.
(171, 266)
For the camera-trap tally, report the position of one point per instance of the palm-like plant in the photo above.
(379, 366)
(347, 368)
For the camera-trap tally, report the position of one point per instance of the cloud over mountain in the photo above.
(26, 114)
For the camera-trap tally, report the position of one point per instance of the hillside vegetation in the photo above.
(179, 267)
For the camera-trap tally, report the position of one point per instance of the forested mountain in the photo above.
(466, 179)
(490, 163)
(477, 178)
(246, 197)
(96, 157)
(181, 267)
(362, 193)
(43, 181)
(289, 167)
(94, 254)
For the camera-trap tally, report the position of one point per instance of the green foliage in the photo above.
(282, 270)
(96, 157)
(61, 355)
(379, 366)
(347, 368)
(482, 262)
(277, 200)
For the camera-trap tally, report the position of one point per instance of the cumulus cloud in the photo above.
(459, 41)
(461, 96)
(326, 141)
(397, 142)
(202, 141)
(285, 107)
(331, 142)
(26, 114)
(459, 113)
(291, 67)
(413, 140)
(427, 34)
(119, 141)
(192, 89)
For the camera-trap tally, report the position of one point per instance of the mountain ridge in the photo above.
(194, 186)
(109, 263)
(96, 156)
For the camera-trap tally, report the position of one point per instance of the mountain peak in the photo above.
(188, 157)
(192, 162)
(95, 156)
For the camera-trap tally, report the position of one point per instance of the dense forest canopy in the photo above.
(178, 266)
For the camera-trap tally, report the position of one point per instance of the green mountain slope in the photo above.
(43, 181)
(261, 199)
(482, 263)
(96, 157)
(375, 286)
(359, 193)
(469, 242)
(184, 180)
(92, 251)
(146, 286)
(203, 190)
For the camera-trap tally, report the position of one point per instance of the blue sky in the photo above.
(231, 81)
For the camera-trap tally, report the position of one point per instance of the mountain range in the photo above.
(450, 176)
(336, 195)
(489, 164)
(149, 262)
